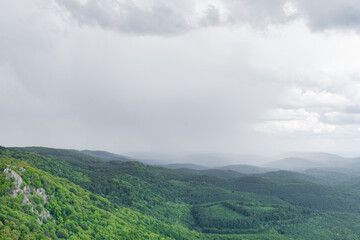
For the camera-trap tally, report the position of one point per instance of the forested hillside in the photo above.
(55, 193)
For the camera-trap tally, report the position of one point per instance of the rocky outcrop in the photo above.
(16, 179)
(28, 192)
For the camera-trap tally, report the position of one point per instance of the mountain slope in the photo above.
(290, 175)
(184, 165)
(247, 169)
(106, 156)
(35, 204)
(294, 164)
(217, 208)
(214, 172)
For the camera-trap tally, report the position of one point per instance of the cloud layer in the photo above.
(227, 76)
(174, 17)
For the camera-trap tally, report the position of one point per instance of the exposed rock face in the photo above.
(28, 192)
(18, 180)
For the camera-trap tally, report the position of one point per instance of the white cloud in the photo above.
(289, 9)
(294, 120)
(300, 98)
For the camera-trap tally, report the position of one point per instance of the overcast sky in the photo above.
(232, 76)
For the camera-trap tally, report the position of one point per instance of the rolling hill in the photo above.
(183, 166)
(247, 169)
(89, 198)
(106, 156)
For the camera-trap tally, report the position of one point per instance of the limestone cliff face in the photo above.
(28, 192)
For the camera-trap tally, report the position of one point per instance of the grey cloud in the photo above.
(132, 94)
(201, 91)
(127, 16)
(161, 19)
(258, 13)
(325, 14)
(352, 109)
(212, 16)
(319, 15)
(341, 118)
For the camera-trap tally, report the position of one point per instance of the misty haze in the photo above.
(164, 119)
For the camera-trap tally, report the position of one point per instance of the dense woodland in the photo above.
(67, 194)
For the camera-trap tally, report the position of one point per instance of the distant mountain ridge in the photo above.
(232, 170)
(209, 160)
(301, 161)
(294, 163)
(227, 174)
(313, 156)
(107, 156)
(184, 165)
(247, 169)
